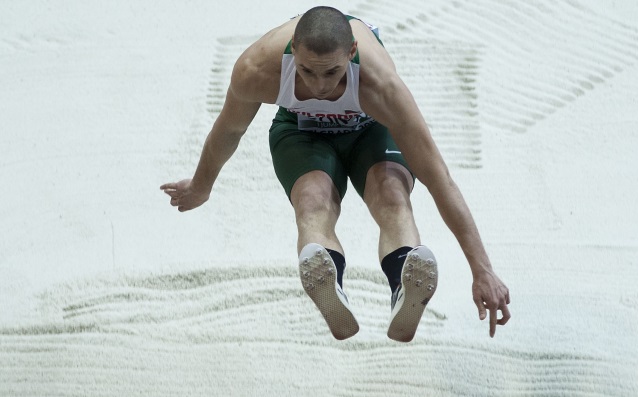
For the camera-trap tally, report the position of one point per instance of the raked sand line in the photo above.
(443, 81)
(111, 363)
(245, 330)
(218, 304)
(108, 365)
(522, 80)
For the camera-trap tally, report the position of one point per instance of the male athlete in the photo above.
(345, 113)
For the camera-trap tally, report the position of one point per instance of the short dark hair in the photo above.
(324, 30)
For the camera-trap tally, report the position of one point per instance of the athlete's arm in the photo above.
(384, 96)
(223, 139)
(254, 81)
(237, 113)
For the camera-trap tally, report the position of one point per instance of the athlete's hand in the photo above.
(490, 293)
(184, 196)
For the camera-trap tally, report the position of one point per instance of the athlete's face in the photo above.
(322, 73)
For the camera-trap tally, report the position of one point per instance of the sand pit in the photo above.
(105, 290)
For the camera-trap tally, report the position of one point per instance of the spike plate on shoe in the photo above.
(319, 279)
(419, 279)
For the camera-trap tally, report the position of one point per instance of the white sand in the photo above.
(105, 290)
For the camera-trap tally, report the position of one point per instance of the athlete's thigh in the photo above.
(296, 153)
(374, 146)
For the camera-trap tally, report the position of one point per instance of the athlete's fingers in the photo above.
(171, 189)
(493, 321)
(173, 193)
(506, 316)
(481, 308)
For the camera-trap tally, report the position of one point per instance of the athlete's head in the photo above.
(324, 30)
(323, 45)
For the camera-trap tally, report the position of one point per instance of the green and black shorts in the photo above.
(341, 156)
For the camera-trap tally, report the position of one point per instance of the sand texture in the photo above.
(106, 290)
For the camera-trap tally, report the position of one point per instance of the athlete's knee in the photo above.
(314, 195)
(308, 205)
(388, 197)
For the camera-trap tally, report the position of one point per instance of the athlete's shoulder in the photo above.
(373, 55)
(376, 65)
(257, 71)
(379, 81)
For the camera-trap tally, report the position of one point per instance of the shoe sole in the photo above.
(419, 278)
(319, 279)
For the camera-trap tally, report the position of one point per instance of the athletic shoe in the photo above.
(319, 279)
(418, 282)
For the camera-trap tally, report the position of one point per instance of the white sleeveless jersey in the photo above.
(319, 115)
